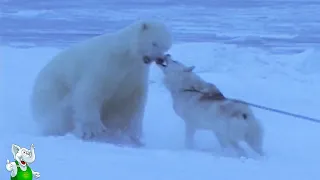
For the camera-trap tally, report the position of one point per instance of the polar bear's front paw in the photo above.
(89, 130)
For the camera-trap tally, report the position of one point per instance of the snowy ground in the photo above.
(289, 82)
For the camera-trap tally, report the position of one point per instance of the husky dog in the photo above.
(203, 107)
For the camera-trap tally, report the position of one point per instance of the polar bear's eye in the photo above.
(154, 44)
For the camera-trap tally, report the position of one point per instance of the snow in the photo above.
(288, 82)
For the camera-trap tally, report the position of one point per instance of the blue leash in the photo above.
(279, 111)
(219, 96)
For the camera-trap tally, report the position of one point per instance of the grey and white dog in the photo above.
(203, 107)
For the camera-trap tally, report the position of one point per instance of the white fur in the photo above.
(100, 84)
(223, 117)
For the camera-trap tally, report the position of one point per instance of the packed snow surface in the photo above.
(280, 81)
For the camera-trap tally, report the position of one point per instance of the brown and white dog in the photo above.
(203, 107)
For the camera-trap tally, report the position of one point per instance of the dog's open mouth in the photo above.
(162, 62)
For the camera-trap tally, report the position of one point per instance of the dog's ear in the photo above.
(189, 69)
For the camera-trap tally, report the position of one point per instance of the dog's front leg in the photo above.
(255, 146)
(224, 143)
(240, 151)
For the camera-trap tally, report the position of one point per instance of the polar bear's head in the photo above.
(153, 40)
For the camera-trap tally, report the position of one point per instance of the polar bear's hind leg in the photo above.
(51, 109)
(125, 115)
(62, 123)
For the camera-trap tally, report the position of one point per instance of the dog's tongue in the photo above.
(22, 162)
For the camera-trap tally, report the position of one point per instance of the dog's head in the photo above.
(168, 65)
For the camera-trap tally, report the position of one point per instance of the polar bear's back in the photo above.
(86, 58)
(71, 63)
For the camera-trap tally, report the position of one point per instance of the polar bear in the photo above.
(100, 85)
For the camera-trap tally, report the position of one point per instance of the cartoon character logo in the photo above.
(20, 169)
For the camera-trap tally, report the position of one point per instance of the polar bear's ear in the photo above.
(144, 26)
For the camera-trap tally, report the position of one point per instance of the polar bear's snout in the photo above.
(147, 60)
(158, 59)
